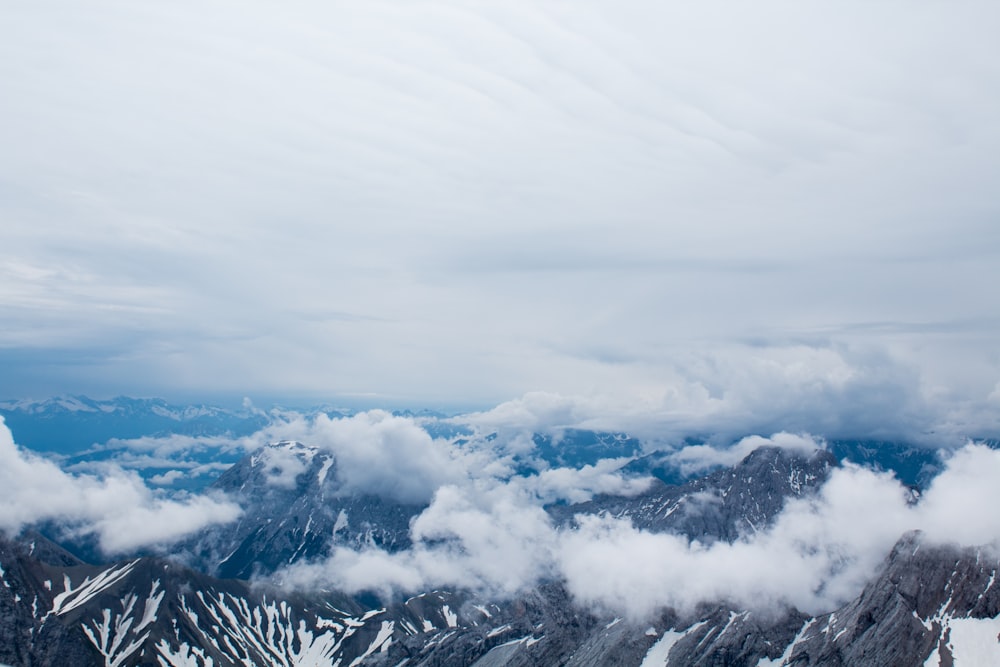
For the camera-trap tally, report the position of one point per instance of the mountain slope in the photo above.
(295, 509)
(930, 604)
(723, 505)
(151, 611)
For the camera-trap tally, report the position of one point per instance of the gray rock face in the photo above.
(932, 604)
(544, 627)
(723, 505)
(289, 518)
(292, 517)
(25, 639)
(150, 611)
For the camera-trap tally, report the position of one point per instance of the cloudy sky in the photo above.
(690, 211)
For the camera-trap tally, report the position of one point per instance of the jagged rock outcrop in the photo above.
(932, 604)
(149, 611)
(293, 516)
(723, 505)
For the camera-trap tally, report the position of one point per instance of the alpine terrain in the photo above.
(215, 604)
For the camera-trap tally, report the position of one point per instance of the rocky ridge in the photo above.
(930, 604)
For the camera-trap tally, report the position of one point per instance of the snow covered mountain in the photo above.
(294, 510)
(723, 505)
(149, 611)
(929, 604)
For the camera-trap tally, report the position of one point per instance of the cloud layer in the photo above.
(493, 536)
(117, 507)
(460, 202)
(835, 391)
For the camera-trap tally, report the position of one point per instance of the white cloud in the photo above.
(451, 203)
(956, 506)
(833, 391)
(394, 456)
(534, 412)
(173, 444)
(380, 453)
(149, 521)
(116, 507)
(486, 537)
(285, 464)
(696, 458)
(167, 478)
(577, 485)
(818, 554)
(376, 452)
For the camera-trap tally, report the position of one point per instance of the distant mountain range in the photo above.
(70, 424)
(212, 600)
(932, 605)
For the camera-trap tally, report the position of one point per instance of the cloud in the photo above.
(376, 452)
(575, 485)
(285, 464)
(527, 199)
(819, 553)
(697, 458)
(533, 412)
(116, 507)
(831, 390)
(527, 204)
(954, 507)
(484, 537)
(994, 396)
(387, 455)
(172, 444)
(167, 478)
(394, 456)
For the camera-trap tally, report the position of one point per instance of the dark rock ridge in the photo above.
(723, 505)
(150, 611)
(294, 517)
(299, 517)
(930, 605)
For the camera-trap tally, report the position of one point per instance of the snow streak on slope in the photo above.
(659, 653)
(963, 639)
(111, 635)
(271, 632)
(73, 597)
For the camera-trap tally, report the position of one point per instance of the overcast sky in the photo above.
(457, 203)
